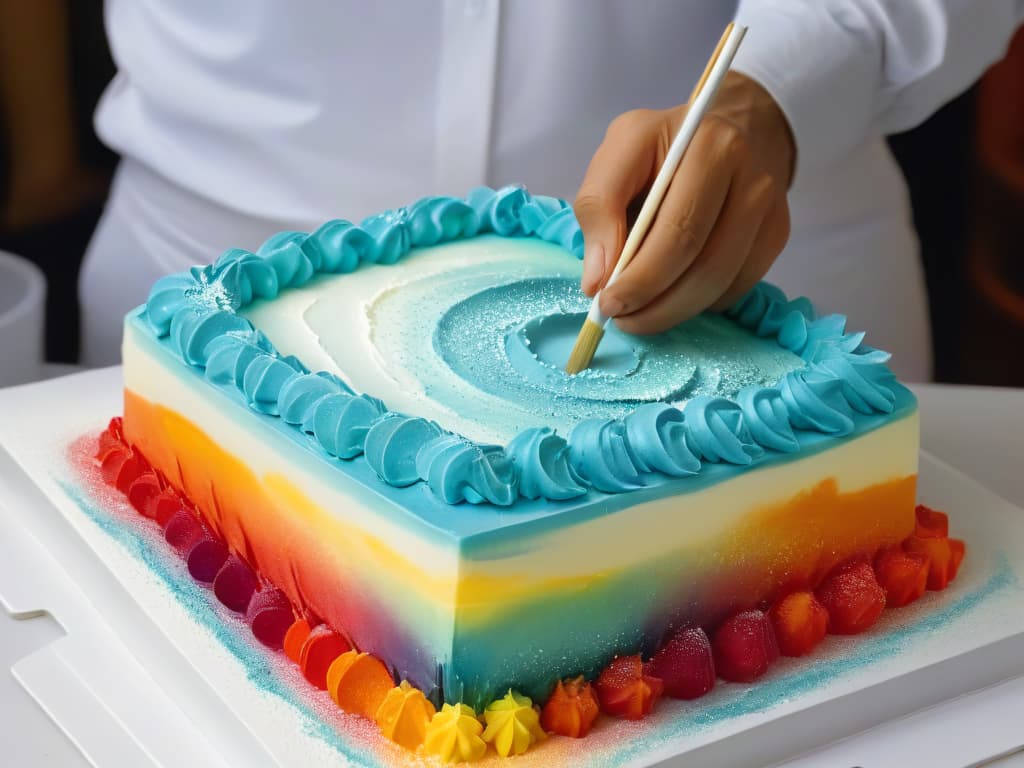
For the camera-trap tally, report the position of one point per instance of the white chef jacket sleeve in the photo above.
(844, 71)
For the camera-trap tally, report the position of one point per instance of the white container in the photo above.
(22, 299)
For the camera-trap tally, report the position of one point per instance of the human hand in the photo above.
(722, 223)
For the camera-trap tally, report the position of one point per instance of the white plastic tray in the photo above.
(138, 681)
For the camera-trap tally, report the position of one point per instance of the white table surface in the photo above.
(978, 430)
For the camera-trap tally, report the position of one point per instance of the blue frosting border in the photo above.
(197, 312)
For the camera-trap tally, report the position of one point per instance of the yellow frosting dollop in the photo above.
(513, 725)
(404, 714)
(454, 735)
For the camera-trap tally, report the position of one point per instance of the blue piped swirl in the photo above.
(867, 386)
(338, 246)
(284, 254)
(815, 401)
(263, 381)
(168, 296)
(392, 444)
(599, 453)
(340, 422)
(458, 470)
(299, 398)
(719, 432)
(230, 355)
(656, 438)
(192, 333)
(766, 417)
(498, 210)
(436, 220)
(197, 312)
(552, 220)
(542, 460)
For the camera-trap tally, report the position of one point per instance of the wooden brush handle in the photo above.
(711, 63)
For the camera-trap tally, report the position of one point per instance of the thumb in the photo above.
(618, 172)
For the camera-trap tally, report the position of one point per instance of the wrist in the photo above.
(746, 103)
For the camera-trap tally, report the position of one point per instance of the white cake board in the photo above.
(137, 682)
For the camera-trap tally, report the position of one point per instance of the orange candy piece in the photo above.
(319, 651)
(294, 639)
(800, 622)
(403, 716)
(358, 683)
(571, 709)
(625, 691)
(903, 575)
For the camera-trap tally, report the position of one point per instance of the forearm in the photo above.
(844, 71)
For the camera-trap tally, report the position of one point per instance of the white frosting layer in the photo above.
(350, 325)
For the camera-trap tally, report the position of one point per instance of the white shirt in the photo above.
(303, 112)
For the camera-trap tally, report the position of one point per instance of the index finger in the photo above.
(619, 170)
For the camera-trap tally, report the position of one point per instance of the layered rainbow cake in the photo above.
(374, 418)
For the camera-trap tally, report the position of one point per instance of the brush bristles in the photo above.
(586, 345)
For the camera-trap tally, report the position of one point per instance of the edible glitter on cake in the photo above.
(482, 329)
(612, 743)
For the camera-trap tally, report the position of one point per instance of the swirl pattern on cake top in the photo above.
(488, 353)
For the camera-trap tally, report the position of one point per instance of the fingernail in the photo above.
(611, 306)
(593, 265)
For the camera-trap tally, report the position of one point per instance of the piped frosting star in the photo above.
(513, 725)
(454, 735)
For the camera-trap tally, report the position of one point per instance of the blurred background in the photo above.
(965, 168)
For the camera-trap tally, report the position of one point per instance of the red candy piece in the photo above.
(571, 709)
(183, 531)
(206, 559)
(943, 563)
(853, 598)
(104, 452)
(270, 615)
(319, 651)
(799, 622)
(116, 428)
(269, 598)
(142, 491)
(684, 664)
(625, 691)
(235, 584)
(931, 524)
(110, 438)
(295, 638)
(164, 506)
(111, 463)
(903, 575)
(107, 443)
(744, 646)
(131, 468)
